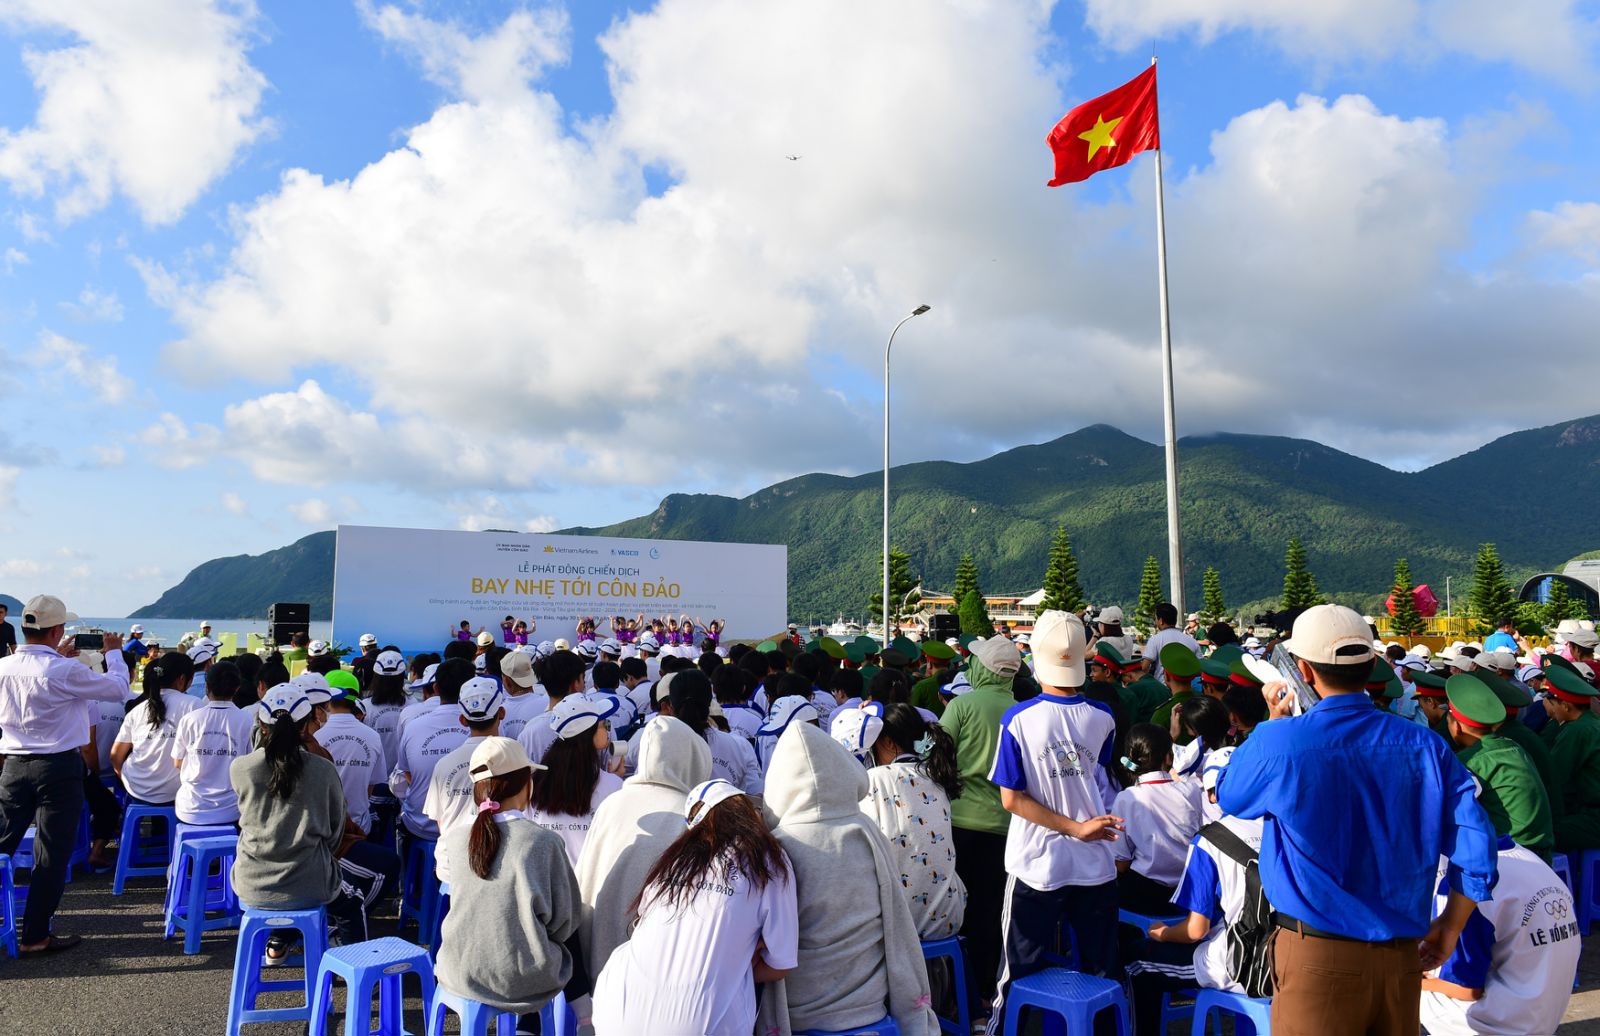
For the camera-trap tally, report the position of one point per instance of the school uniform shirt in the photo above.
(520, 708)
(412, 711)
(206, 742)
(914, 814)
(357, 753)
(449, 801)
(1213, 884)
(688, 968)
(734, 760)
(1160, 818)
(385, 722)
(744, 719)
(1521, 948)
(425, 741)
(573, 830)
(106, 719)
(537, 736)
(623, 718)
(148, 773)
(1051, 747)
(639, 697)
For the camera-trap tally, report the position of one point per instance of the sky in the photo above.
(270, 267)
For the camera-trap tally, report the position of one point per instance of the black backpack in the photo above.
(1250, 937)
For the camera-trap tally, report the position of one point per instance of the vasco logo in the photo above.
(624, 553)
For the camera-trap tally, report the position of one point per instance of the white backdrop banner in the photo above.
(412, 587)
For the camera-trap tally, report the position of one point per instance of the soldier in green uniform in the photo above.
(1140, 692)
(1383, 686)
(1576, 758)
(1515, 698)
(1214, 676)
(925, 692)
(1180, 666)
(1512, 795)
(1431, 700)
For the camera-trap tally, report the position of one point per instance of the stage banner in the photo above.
(414, 587)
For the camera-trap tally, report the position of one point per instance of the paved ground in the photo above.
(124, 981)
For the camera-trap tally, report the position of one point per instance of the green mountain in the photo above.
(1243, 497)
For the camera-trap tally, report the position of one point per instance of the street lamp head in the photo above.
(920, 310)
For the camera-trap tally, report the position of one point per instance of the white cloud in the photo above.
(312, 511)
(151, 100)
(109, 456)
(493, 512)
(487, 67)
(14, 258)
(173, 443)
(1572, 228)
(21, 568)
(96, 373)
(233, 503)
(95, 307)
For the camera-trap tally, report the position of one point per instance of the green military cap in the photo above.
(1240, 673)
(812, 646)
(1109, 654)
(1473, 701)
(869, 671)
(868, 645)
(893, 659)
(938, 650)
(906, 646)
(1178, 660)
(966, 639)
(1429, 684)
(1227, 654)
(1215, 671)
(1567, 685)
(767, 645)
(1511, 695)
(1382, 678)
(830, 647)
(1549, 662)
(855, 653)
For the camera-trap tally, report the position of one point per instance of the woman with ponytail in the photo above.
(291, 823)
(142, 751)
(510, 938)
(1160, 818)
(911, 779)
(718, 914)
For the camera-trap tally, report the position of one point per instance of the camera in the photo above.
(89, 641)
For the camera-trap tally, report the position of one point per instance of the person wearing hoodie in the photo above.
(859, 956)
(978, 821)
(632, 829)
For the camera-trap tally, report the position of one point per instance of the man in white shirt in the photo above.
(44, 721)
(1166, 617)
(428, 739)
(356, 749)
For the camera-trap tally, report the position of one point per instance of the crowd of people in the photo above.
(687, 836)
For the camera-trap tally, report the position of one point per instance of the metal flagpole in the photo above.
(1174, 539)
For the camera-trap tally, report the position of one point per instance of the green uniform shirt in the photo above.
(1527, 739)
(1142, 697)
(973, 722)
(1513, 794)
(1576, 804)
(1162, 716)
(925, 695)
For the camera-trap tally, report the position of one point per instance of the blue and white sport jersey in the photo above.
(743, 719)
(1521, 948)
(1056, 749)
(1213, 885)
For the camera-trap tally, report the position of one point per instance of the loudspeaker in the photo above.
(943, 626)
(286, 620)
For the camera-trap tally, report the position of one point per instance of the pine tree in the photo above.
(1144, 614)
(1405, 619)
(975, 616)
(1559, 604)
(966, 580)
(1492, 597)
(1299, 585)
(1061, 589)
(902, 588)
(1212, 607)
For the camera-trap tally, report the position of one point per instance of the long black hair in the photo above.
(1207, 719)
(483, 843)
(905, 727)
(572, 769)
(1147, 748)
(388, 690)
(731, 835)
(285, 756)
(166, 671)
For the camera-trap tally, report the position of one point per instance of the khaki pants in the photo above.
(1331, 987)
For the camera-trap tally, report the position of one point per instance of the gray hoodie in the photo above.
(860, 957)
(632, 828)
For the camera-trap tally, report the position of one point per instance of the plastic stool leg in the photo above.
(321, 1004)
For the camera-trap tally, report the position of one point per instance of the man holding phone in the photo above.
(44, 721)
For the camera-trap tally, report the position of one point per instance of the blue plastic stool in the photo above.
(378, 964)
(419, 887)
(557, 1018)
(134, 859)
(1586, 892)
(190, 894)
(441, 907)
(1066, 954)
(935, 949)
(8, 907)
(257, 927)
(22, 859)
(886, 1027)
(475, 1018)
(1144, 921)
(1176, 1012)
(1563, 869)
(1075, 997)
(1210, 1001)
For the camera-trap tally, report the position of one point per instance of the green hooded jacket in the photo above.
(973, 721)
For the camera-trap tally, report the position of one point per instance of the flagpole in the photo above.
(1174, 539)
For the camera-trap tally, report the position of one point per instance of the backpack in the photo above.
(1250, 937)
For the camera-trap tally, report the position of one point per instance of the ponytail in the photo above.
(930, 743)
(163, 673)
(1145, 750)
(285, 757)
(483, 841)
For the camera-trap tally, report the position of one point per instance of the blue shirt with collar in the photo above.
(1500, 640)
(1359, 806)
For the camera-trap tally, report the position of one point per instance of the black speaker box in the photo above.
(943, 626)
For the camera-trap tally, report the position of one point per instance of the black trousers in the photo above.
(1033, 919)
(981, 864)
(105, 816)
(46, 790)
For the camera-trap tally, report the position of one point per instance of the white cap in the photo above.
(44, 611)
(786, 711)
(481, 663)
(1502, 660)
(586, 650)
(517, 667)
(648, 642)
(1330, 634)
(1021, 638)
(135, 629)
(389, 663)
(954, 642)
(1059, 649)
(1252, 642)
(1584, 638)
(960, 685)
(997, 654)
(316, 648)
(202, 652)
(205, 624)
(315, 685)
(426, 680)
(1109, 615)
(485, 639)
(858, 730)
(368, 639)
(498, 756)
(1529, 672)
(1461, 663)
(286, 698)
(706, 796)
(481, 698)
(610, 647)
(1422, 651)
(560, 644)
(575, 714)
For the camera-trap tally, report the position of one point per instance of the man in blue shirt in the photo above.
(1504, 638)
(1359, 806)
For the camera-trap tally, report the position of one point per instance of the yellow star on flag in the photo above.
(1099, 135)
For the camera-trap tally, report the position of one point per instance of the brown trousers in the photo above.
(1330, 987)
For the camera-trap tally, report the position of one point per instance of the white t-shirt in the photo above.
(385, 721)
(622, 719)
(914, 814)
(639, 697)
(426, 740)
(106, 719)
(687, 969)
(412, 711)
(1160, 818)
(1213, 885)
(208, 739)
(1053, 747)
(537, 736)
(520, 708)
(357, 752)
(1521, 948)
(743, 719)
(1159, 640)
(148, 773)
(734, 761)
(449, 799)
(574, 830)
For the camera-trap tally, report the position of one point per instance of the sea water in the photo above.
(167, 632)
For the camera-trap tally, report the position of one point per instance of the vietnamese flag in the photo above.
(1107, 131)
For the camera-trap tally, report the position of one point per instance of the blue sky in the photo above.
(270, 267)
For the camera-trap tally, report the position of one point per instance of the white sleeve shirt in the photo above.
(44, 699)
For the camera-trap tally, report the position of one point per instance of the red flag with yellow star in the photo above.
(1107, 131)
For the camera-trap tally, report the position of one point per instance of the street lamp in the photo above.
(885, 599)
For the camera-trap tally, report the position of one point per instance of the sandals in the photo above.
(54, 944)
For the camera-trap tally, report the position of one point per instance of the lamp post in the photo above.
(886, 349)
